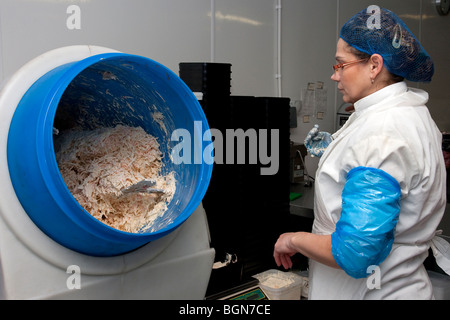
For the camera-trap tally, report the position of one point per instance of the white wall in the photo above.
(309, 45)
(166, 31)
(244, 34)
(244, 37)
(310, 30)
(436, 40)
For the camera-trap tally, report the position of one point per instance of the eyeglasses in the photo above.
(339, 66)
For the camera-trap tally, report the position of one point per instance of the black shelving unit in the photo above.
(246, 211)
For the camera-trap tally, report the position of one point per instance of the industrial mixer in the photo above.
(52, 248)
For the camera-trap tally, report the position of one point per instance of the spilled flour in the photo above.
(96, 165)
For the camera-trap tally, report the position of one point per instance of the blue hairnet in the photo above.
(378, 30)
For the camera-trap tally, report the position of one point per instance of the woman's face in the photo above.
(354, 80)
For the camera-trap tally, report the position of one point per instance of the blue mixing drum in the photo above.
(104, 90)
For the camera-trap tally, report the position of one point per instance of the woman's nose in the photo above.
(335, 76)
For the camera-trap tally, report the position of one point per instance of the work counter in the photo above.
(304, 205)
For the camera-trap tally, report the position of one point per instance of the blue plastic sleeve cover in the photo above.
(365, 232)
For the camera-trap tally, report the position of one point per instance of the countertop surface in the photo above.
(303, 206)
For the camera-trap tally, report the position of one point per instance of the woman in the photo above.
(380, 184)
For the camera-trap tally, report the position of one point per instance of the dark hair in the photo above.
(362, 55)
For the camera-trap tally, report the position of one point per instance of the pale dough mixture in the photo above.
(96, 165)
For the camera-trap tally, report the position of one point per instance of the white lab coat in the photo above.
(391, 130)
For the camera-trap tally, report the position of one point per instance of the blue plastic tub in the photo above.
(102, 90)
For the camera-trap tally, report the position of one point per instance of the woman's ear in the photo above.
(376, 63)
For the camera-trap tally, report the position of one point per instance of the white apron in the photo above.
(391, 130)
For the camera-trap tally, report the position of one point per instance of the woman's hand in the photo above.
(312, 246)
(316, 141)
(283, 250)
